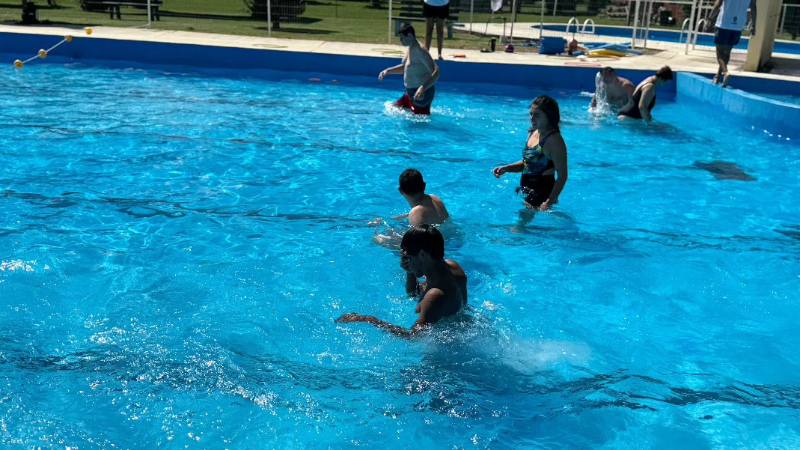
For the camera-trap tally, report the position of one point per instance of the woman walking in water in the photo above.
(544, 158)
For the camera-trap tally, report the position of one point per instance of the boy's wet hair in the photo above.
(411, 182)
(665, 73)
(408, 29)
(423, 237)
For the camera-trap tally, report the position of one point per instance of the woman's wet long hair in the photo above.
(550, 109)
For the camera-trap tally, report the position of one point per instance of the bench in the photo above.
(411, 11)
(114, 6)
(286, 11)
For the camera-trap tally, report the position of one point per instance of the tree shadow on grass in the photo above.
(168, 13)
(299, 30)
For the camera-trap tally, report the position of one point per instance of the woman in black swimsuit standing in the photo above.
(544, 158)
(644, 97)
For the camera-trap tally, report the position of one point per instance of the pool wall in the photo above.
(23, 46)
(774, 117)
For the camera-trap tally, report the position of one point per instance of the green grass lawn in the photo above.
(334, 20)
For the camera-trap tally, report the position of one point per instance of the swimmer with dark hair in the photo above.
(618, 90)
(544, 158)
(644, 97)
(425, 208)
(420, 73)
(444, 292)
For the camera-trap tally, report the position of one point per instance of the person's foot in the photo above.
(440, 57)
(725, 79)
(715, 80)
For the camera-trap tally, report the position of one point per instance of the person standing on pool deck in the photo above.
(438, 11)
(730, 22)
(444, 292)
(644, 97)
(420, 73)
(544, 158)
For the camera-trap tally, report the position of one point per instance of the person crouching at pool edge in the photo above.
(444, 292)
(544, 158)
(644, 97)
(420, 73)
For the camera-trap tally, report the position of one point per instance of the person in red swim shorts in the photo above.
(420, 73)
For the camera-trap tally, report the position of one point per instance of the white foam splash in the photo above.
(17, 264)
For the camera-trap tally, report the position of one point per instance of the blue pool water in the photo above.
(670, 36)
(175, 247)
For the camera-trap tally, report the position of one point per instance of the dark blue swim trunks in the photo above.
(724, 36)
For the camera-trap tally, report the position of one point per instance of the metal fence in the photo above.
(472, 24)
(789, 27)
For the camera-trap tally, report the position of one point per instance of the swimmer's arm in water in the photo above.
(644, 103)
(557, 151)
(425, 307)
(510, 168)
(594, 101)
(379, 220)
(394, 329)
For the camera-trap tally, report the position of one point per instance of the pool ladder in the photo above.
(571, 20)
(683, 30)
(586, 22)
(582, 29)
(686, 26)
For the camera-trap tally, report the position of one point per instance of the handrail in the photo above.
(697, 30)
(577, 24)
(683, 29)
(585, 22)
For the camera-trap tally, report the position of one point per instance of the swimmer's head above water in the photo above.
(411, 182)
(608, 74)
(545, 114)
(423, 246)
(407, 35)
(663, 75)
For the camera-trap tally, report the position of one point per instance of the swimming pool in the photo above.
(790, 99)
(706, 39)
(177, 245)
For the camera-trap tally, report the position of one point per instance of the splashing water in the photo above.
(601, 107)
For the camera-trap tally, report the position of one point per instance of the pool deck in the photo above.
(701, 60)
